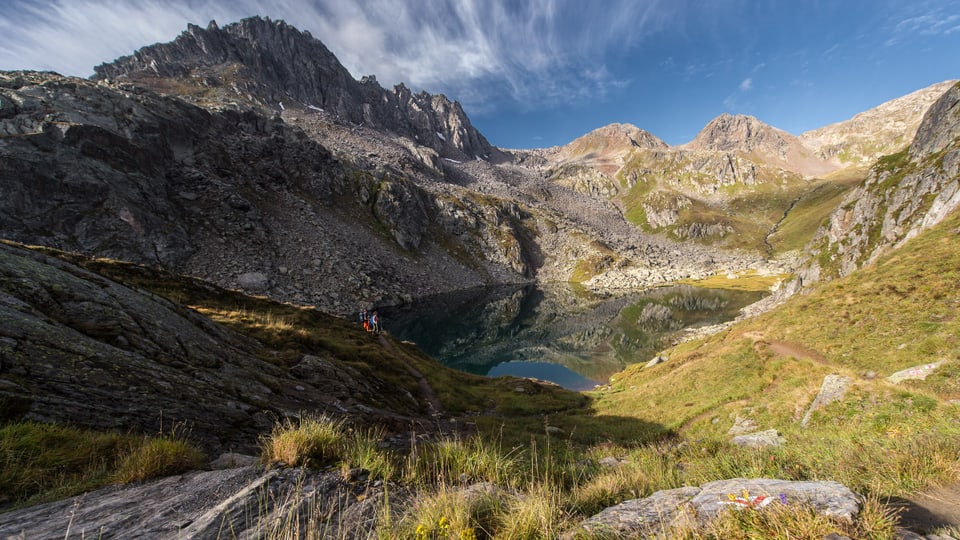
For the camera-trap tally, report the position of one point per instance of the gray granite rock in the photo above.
(915, 373)
(833, 389)
(760, 439)
(654, 516)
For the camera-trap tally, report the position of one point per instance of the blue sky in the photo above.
(543, 72)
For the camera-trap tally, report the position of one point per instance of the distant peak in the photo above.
(738, 132)
(615, 137)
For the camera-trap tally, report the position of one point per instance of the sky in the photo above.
(541, 73)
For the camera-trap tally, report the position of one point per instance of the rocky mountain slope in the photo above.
(310, 203)
(82, 349)
(738, 180)
(273, 65)
(885, 129)
(903, 194)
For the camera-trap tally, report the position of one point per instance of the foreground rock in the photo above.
(247, 502)
(693, 506)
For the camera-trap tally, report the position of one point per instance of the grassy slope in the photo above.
(898, 313)
(669, 422)
(751, 211)
(812, 208)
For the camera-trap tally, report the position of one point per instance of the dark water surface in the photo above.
(558, 333)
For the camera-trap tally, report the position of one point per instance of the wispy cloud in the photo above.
(534, 51)
(929, 24)
(746, 84)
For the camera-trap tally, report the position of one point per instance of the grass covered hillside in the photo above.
(881, 437)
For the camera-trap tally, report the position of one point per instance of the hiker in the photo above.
(365, 320)
(375, 323)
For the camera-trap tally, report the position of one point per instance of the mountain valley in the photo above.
(189, 234)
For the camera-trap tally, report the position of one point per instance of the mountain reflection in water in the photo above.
(560, 333)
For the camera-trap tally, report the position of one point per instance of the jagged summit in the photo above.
(272, 65)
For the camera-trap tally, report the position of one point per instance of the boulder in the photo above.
(253, 281)
(688, 507)
(641, 518)
(833, 389)
(760, 439)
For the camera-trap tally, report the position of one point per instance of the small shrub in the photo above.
(42, 462)
(157, 457)
(362, 450)
(538, 513)
(452, 514)
(314, 442)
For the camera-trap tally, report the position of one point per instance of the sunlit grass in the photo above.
(749, 280)
(41, 462)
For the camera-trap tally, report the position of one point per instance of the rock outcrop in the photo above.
(78, 348)
(248, 502)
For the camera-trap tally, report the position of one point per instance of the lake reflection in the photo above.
(559, 333)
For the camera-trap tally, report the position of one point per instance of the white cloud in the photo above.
(746, 84)
(928, 24)
(530, 52)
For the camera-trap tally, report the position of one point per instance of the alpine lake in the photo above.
(560, 333)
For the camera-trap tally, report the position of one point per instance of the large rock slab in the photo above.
(653, 516)
(642, 517)
(829, 498)
(247, 502)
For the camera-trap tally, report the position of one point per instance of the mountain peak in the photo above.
(739, 132)
(272, 65)
(613, 138)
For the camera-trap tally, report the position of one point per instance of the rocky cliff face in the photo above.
(242, 199)
(903, 194)
(273, 65)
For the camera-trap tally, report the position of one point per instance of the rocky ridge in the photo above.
(884, 129)
(273, 65)
(742, 134)
(903, 194)
(701, 191)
